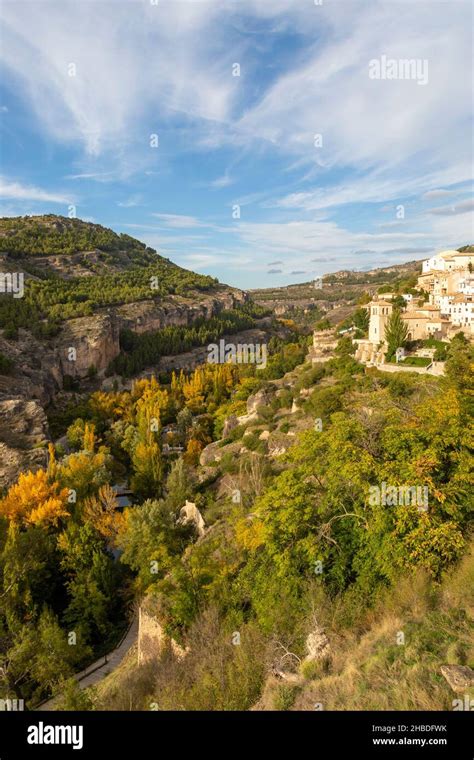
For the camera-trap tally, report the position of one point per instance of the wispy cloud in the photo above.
(17, 191)
(131, 202)
(432, 195)
(459, 208)
(180, 221)
(113, 74)
(221, 182)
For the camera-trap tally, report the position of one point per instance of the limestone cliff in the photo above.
(23, 438)
(85, 342)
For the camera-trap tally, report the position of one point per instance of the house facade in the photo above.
(445, 306)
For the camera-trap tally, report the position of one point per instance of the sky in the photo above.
(264, 142)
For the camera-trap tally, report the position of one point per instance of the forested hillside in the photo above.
(303, 548)
(49, 235)
(122, 271)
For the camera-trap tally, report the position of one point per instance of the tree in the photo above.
(92, 582)
(361, 319)
(6, 365)
(150, 538)
(41, 653)
(75, 434)
(28, 573)
(179, 484)
(34, 500)
(101, 511)
(396, 332)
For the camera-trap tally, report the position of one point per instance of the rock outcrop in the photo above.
(92, 341)
(23, 438)
(260, 398)
(459, 677)
(152, 637)
(317, 645)
(190, 515)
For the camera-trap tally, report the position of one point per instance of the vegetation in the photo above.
(290, 466)
(141, 351)
(139, 274)
(6, 365)
(396, 333)
(52, 235)
(308, 547)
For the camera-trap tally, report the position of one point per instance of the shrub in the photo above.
(284, 697)
(6, 365)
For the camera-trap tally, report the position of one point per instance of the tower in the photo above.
(379, 312)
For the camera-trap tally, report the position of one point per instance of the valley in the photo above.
(262, 572)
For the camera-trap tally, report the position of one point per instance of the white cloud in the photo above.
(438, 193)
(131, 202)
(133, 62)
(17, 191)
(463, 207)
(180, 221)
(221, 182)
(402, 137)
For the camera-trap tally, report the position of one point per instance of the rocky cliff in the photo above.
(86, 342)
(82, 284)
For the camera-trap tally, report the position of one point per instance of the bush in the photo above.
(284, 697)
(70, 383)
(6, 365)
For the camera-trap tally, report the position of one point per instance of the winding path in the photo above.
(102, 667)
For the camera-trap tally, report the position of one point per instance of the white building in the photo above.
(460, 310)
(448, 261)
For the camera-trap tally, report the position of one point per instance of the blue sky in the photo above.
(86, 84)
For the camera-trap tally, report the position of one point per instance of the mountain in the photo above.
(83, 284)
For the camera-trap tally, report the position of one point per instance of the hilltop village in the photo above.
(441, 306)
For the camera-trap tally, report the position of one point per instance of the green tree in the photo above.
(42, 654)
(396, 332)
(149, 538)
(92, 583)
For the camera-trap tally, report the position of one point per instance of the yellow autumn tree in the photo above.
(35, 500)
(102, 512)
(111, 405)
(193, 449)
(151, 404)
(194, 389)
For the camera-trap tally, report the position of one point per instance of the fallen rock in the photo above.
(459, 677)
(264, 435)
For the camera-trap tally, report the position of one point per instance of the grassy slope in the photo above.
(367, 669)
(370, 671)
